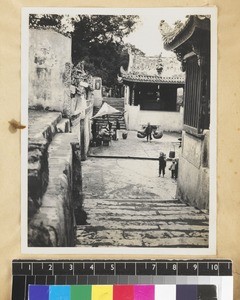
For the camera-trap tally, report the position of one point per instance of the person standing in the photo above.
(94, 130)
(117, 129)
(176, 169)
(162, 164)
(148, 132)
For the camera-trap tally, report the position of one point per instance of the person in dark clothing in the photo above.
(148, 132)
(176, 169)
(109, 126)
(94, 130)
(162, 164)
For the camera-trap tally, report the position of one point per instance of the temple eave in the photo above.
(184, 33)
(154, 80)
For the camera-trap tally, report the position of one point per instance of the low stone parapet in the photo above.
(42, 128)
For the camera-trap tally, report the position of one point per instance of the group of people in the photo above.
(162, 166)
(105, 130)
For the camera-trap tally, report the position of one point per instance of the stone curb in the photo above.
(127, 157)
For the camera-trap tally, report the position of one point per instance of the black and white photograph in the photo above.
(119, 155)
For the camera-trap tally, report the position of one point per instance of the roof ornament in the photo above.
(168, 32)
(159, 66)
(165, 29)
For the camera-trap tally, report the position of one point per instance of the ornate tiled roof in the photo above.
(174, 37)
(154, 69)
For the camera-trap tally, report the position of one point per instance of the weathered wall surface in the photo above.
(168, 121)
(49, 70)
(53, 224)
(193, 176)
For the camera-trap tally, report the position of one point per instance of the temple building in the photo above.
(191, 43)
(153, 92)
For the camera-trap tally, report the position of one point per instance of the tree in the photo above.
(98, 40)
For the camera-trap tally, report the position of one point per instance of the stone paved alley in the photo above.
(127, 204)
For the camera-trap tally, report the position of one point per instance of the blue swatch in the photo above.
(59, 292)
(38, 292)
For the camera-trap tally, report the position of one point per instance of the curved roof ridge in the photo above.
(182, 31)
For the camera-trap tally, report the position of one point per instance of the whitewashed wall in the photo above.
(168, 121)
(49, 70)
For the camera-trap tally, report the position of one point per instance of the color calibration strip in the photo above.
(122, 292)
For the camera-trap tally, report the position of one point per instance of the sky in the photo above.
(147, 36)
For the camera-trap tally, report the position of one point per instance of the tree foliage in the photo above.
(96, 39)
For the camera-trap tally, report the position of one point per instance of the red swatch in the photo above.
(123, 292)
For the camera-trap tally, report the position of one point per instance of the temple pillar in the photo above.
(133, 95)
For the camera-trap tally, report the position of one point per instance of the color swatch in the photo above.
(122, 292)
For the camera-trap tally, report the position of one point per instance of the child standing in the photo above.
(162, 164)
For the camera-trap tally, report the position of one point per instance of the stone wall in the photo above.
(54, 181)
(49, 71)
(193, 175)
(58, 112)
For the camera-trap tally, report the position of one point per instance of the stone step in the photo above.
(144, 226)
(86, 236)
(139, 206)
(140, 211)
(145, 201)
(133, 200)
(144, 222)
(154, 218)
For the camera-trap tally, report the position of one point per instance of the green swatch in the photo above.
(81, 292)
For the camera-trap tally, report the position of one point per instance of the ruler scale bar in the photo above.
(111, 268)
(105, 272)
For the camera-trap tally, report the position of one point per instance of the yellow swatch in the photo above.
(102, 292)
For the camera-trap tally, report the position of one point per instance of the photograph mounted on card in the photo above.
(120, 152)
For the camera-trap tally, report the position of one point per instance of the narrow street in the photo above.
(127, 204)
